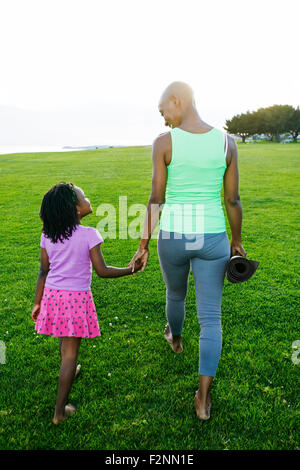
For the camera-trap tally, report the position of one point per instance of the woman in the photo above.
(190, 164)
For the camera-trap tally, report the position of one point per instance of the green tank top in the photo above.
(194, 181)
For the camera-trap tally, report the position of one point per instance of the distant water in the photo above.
(6, 149)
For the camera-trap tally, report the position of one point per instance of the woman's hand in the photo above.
(237, 248)
(35, 312)
(141, 255)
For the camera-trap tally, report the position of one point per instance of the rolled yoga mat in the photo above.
(240, 269)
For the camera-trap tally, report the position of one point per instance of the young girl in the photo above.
(64, 305)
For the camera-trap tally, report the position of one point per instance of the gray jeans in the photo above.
(208, 254)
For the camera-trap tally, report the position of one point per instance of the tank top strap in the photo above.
(225, 142)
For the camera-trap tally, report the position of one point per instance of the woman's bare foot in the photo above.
(77, 370)
(203, 410)
(69, 410)
(174, 341)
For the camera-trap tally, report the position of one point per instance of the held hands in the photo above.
(35, 312)
(237, 248)
(139, 260)
(136, 267)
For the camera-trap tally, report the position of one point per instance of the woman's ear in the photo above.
(175, 100)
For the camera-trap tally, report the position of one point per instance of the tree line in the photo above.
(271, 121)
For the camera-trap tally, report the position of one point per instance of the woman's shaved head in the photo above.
(175, 101)
(181, 90)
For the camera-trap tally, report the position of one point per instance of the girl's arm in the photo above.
(44, 269)
(102, 270)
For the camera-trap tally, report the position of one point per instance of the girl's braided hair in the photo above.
(58, 212)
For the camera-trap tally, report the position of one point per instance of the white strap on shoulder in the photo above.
(225, 142)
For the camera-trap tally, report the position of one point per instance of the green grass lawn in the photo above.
(147, 401)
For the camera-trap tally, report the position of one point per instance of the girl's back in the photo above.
(70, 263)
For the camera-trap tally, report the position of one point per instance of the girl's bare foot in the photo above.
(174, 341)
(69, 410)
(203, 410)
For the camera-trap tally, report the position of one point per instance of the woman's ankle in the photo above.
(176, 337)
(202, 397)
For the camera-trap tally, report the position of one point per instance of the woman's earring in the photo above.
(78, 212)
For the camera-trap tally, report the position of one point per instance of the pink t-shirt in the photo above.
(70, 262)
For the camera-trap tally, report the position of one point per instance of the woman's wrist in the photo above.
(236, 239)
(144, 244)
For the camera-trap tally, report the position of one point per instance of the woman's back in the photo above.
(194, 181)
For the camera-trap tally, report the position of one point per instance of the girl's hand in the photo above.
(137, 265)
(237, 249)
(35, 312)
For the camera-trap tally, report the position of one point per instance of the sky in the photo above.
(91, 72)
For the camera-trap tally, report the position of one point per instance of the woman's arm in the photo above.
(156, 199)
(103, 270)
(232, 200)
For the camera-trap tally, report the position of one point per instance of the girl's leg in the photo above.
(78, 367)
(175, 267)
(69, 347)
(209, 272)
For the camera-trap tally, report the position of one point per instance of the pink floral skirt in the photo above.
(67, 313)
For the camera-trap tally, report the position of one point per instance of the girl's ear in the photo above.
(78, 209)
